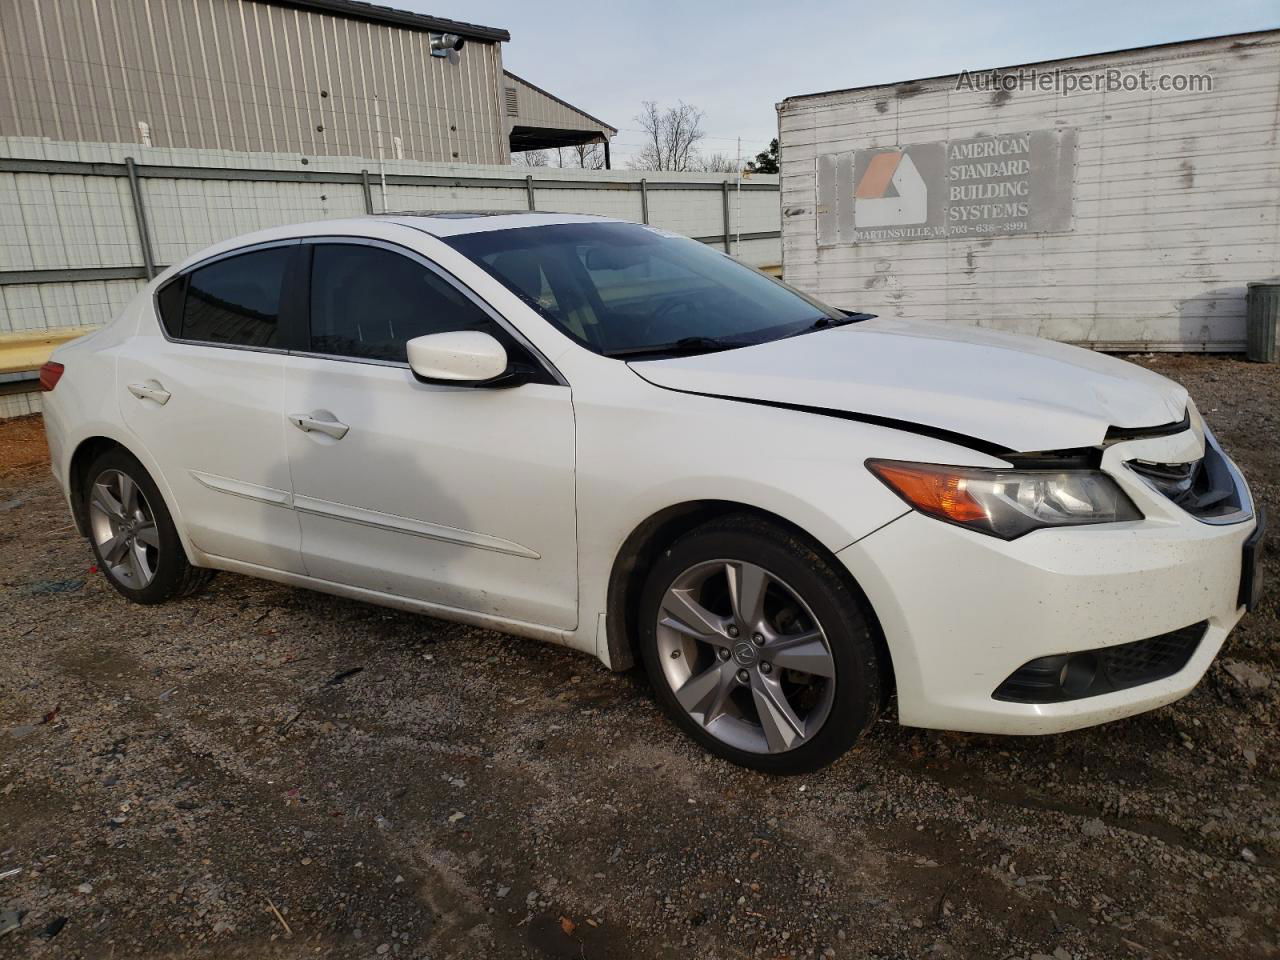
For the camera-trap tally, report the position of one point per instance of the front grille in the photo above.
(1088, 673)
(1205, 488)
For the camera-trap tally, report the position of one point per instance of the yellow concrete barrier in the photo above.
(28, 349)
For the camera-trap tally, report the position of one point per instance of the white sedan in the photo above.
(607, 436)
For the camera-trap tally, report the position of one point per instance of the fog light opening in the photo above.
(1091, 673)
(1076, 676)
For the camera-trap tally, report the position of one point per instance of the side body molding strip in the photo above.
(418, 528)
(363, 516)
(239, 488)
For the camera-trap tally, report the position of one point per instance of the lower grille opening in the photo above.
(1088, 673)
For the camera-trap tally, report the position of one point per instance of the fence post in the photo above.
(140, 215)
(528, 186)
(724, 196)
(644, 200)
(368, 193)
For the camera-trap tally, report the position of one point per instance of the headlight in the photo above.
(1006, 503)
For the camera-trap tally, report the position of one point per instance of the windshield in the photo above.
(622, 289)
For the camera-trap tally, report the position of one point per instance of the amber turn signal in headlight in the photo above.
(1006, 503)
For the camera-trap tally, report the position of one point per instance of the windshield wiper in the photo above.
(683, 345)
(822, 323)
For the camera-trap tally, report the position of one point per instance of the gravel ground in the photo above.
(266, 772)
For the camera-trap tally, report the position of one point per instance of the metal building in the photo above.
(1120, 200)
(311, 77)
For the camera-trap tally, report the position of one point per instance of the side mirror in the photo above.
(464, 358)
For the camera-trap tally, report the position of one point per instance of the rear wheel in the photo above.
(132, 534)
(757, 648)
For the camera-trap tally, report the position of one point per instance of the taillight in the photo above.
(50, 374)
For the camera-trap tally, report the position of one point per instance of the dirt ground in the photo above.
(265, 772)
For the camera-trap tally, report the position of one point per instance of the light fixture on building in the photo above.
(443, 43)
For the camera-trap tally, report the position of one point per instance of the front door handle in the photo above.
(320, 423)
(150, 390)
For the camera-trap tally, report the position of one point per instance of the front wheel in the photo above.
(132, 534)
(757, 648)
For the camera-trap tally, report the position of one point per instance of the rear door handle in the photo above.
(150, 390)
(326, 424)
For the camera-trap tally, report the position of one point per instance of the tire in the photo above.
(809, 618)
(148, 564)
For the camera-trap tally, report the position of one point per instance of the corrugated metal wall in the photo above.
(247, 76)
(1176, 203)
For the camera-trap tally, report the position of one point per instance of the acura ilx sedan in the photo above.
(607, 436)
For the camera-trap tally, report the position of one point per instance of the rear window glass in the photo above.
(237, 301)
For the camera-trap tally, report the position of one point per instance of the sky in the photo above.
(735, 61)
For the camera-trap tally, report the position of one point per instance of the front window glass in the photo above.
(622, 289)
(369, 302)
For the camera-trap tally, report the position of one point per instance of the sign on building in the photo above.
(997, 185)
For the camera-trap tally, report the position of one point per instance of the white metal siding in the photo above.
(1176, 207)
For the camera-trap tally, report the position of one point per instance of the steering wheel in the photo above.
(661, 316)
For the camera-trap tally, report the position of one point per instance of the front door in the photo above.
(207, 401)
(459, 496)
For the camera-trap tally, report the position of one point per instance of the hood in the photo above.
(1017, 392)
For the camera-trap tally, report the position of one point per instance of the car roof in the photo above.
(449, 223)
(445, 223)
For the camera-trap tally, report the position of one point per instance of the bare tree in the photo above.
(671, 137)
(716, 163)
(586, 156)
(530, 158)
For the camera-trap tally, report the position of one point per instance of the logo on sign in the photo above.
(891, 192)
(997, 184)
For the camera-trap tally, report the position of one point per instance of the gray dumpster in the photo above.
(1261, 307)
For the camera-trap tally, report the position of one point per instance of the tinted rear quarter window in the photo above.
(169, 303)
(236, 301)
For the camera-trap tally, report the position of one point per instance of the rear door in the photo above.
(203, 389)
(459, 496)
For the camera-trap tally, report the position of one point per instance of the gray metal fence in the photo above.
(83, 226)
(531, 186)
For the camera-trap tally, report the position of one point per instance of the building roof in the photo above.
(399, 18)
(1243, 39)
(595, 121)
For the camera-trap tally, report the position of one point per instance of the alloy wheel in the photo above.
(124, 529)
(745, 656)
